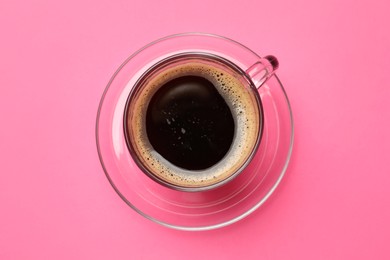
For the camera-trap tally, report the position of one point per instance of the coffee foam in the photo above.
(241, 101)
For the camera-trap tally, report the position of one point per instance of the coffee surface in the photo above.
(193, 123)
(189, 123)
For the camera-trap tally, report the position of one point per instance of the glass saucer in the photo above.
(202, 210)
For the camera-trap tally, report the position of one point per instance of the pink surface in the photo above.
(56, 59)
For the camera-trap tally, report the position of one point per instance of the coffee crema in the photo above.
(193, 123)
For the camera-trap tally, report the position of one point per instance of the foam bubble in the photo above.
(241, 101)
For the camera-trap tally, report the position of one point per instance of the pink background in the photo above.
(56, 58)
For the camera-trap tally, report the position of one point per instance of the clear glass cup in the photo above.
(220, 204)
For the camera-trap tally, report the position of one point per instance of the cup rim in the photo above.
(144, 77)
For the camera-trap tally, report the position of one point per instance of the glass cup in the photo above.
(248, 124)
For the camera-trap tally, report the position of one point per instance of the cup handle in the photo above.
(262, 70)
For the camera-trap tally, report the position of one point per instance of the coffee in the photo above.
(189, 123)
(193, 121)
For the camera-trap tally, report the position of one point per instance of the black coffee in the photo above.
(193, 122)
(189, 123)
